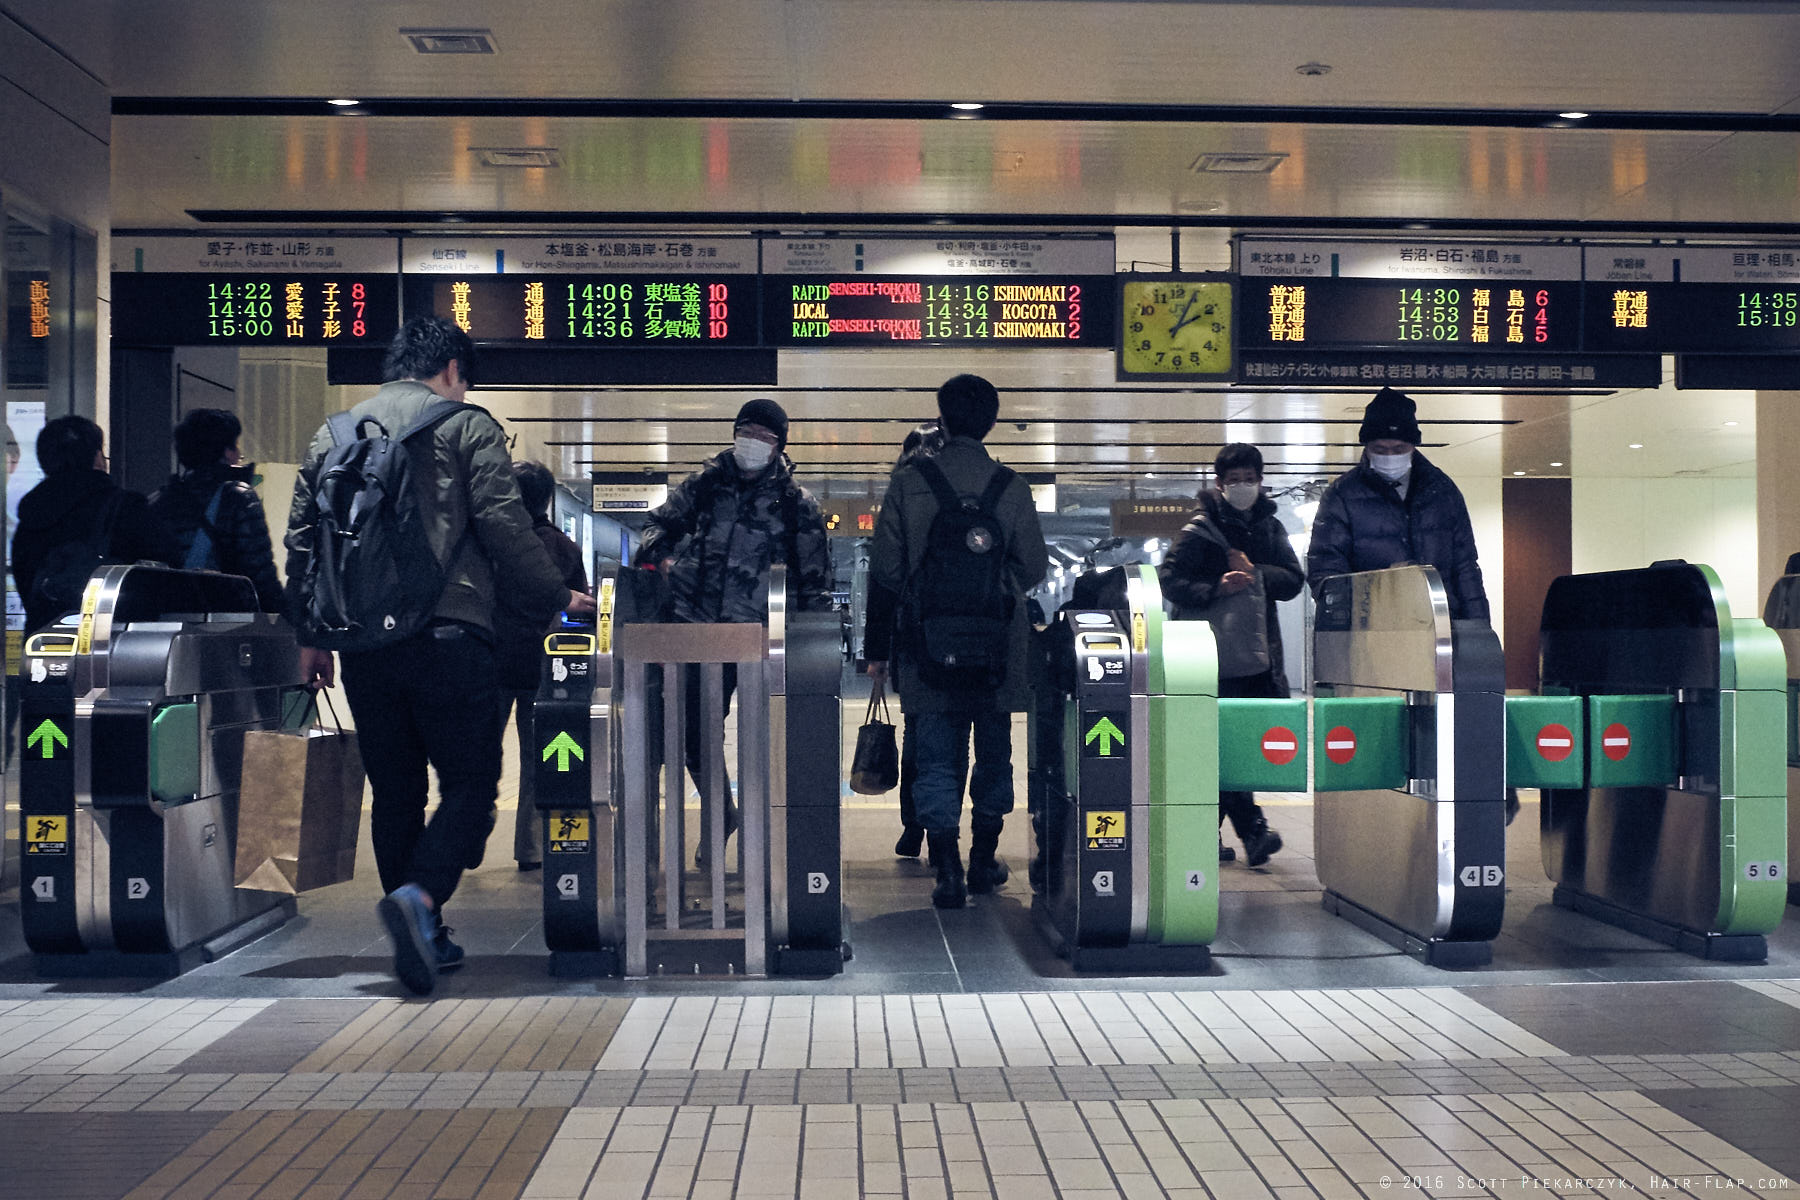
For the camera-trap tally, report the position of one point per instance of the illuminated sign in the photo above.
(40, 308)
(1713, 299)
(569, 309)
(1463, 314)
(889, 310)
(255, 290)
(204, 309)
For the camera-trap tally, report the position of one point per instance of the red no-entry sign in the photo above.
(1340, 744)
(1555, 742)
(1615, 741)
(1280, 744)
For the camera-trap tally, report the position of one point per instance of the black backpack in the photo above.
(959, 610)
(372, 579)
(63, 575)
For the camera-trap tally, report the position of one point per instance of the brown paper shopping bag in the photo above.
(299, 804)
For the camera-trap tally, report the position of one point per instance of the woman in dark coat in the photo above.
(1234, 543)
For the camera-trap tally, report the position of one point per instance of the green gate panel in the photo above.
(1184, 750)
(1360, 743)
(1189, 658)
(1753, 866)
(175, 753)
(1546, 742)
(1752, 743)
(1631, 741)
(1262, 745)
(1184, 875)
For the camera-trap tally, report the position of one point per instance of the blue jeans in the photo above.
(942, 741)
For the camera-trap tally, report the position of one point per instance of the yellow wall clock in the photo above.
(1175, 327)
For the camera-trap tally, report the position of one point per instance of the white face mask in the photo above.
(1391, 467)
(752, 454)
(1242, 496)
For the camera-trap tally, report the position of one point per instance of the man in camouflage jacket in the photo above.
(715, 538)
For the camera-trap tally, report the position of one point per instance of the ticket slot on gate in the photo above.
(1129, 832)
(139, 705)
(1680, 830)
(1408, 728)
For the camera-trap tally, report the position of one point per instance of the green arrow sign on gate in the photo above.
(562, 745)
(1108, 733)
(49, 735)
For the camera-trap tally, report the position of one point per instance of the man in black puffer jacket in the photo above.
(211, 509)
(1395, 507)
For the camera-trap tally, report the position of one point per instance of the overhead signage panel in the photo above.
(1692, 299)
(255, 290)
(1408, 260)
(983, 290)
(1442, 369)
(580, 254)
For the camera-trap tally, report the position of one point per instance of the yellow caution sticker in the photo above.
(90, 597)
(603, 627)
(1140, 633)
(568, 832)
(84, 637)
(46, 835)
(1105, 829)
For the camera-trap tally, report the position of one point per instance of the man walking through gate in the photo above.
(420, 675)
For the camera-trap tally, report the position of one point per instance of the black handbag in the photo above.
(876, 766)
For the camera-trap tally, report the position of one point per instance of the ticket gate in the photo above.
(134, 713)
(1673, 823)
(1782, 614)
(620, 895)
(1125, 802)
(1408, 722)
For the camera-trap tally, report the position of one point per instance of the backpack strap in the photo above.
(200, 549)
(342, 427)
(939, 483)
(996, 488)
(435, 412)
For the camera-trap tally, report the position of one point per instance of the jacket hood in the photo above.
(51, 500)
(213, 474)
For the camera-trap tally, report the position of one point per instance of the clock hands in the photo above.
(1182, 318)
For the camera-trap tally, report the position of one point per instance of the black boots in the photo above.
(946, 856)
(985, 871)
(911, 838)
(1259, 843)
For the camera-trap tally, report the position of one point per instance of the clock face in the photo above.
(1175, 327)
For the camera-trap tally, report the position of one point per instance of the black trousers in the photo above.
(1240, 808)
(696, 730)
(429, 701)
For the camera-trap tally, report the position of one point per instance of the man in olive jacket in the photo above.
(433, 699)
(1395, 507)
(945, 720)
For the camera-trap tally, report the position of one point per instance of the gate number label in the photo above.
(817, 883)
(1481, 876)
(1764, 870)
(137, 888)
(568, 887)
(1196, 881)
(44, 887)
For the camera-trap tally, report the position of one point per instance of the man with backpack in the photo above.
(74, 521)
(211, 508)
(714, 540)
(405, 518)
(958, 540)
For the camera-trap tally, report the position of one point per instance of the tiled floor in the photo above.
(955, 1057)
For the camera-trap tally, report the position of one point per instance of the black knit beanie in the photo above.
(1390, 415)
(766, 413)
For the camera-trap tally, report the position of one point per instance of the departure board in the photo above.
(966, 310)
(592, 310)
(246, 309)
(1677, 318)
(1468, 314)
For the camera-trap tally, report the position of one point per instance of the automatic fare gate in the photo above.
(1782, 614)
(619, 895)
(1672, 822)
(1128, 819)
(1409, 817)
(134, 716)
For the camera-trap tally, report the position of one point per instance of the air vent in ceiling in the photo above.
(518, 156)
(1229, 163)
(451, 41)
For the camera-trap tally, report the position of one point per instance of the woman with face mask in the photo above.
(1229, 565)
(1396, 507)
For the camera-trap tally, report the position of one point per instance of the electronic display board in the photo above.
(241, 308)
(966, 310)
(592, 310)
(1469, 314)
(1692, 299)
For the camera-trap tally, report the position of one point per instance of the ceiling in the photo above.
(794, 115)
